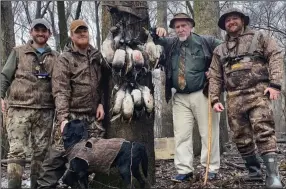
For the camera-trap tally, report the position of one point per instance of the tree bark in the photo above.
(7, 44)
(62, 24)
(140, 130)
(206, 14)
(162, 14)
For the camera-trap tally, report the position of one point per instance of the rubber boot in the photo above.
(35, 173)
(272, 174)
(254, 168)
(14, 172)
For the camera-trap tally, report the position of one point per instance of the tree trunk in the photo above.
(163, 126)
(206, 16)
(7, 44)
(38, 9)
(96, 4)
(62, 24)
(162, 14)
(53, 25)
(140, 130)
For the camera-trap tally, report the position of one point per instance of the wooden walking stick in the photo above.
(209, 137)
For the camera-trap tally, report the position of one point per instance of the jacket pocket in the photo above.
(239, 75)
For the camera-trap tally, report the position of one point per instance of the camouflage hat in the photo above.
(221, 21)
(181, 16)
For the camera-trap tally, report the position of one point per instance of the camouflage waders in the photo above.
(21, 122)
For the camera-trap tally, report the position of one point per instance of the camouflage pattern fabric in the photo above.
(245, 73)
(21, 123)
(27, 90)
(249, 112)
(77, 83)
(251, 120)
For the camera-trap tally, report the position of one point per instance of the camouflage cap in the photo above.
(181, 16)
(40, 21)
(76, 24)
(221, 21)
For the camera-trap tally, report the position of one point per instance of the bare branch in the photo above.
(45, 9)
(68, 9)
(190, 8)
(78, 10)
(269, 28)
(25, 4)
(223, 5)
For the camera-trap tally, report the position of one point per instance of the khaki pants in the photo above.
(189, 110)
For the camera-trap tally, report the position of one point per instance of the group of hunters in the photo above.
(44, 90)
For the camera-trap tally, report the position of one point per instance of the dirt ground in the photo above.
(230, 175)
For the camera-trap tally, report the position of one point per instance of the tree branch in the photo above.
(45, 9)
(27, 11)
(190, 8)
(269, 28)
(78, 10)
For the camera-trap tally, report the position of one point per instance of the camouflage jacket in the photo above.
(265, 66)
(77, 82)
(29, 73)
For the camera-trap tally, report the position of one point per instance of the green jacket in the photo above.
(197, 61)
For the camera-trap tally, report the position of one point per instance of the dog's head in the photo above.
(74, 131)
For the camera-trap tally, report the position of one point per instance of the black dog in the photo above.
(131, 155)
(75, 131)
(128, 159)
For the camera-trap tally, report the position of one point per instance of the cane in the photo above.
(209, 137)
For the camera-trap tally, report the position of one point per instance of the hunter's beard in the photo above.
(184, 38)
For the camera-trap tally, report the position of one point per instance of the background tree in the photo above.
(62, 24)
(135, 15)
(163, 126)
(7, 43)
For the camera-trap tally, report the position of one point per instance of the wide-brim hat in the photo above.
(221, 21)
(181, 16)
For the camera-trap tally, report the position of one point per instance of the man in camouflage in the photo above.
(77, 89)
(31, 106)
(249, 64)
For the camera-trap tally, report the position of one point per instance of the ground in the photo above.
(232, 169)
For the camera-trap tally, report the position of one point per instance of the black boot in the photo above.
(254, 168)
(272, 174)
